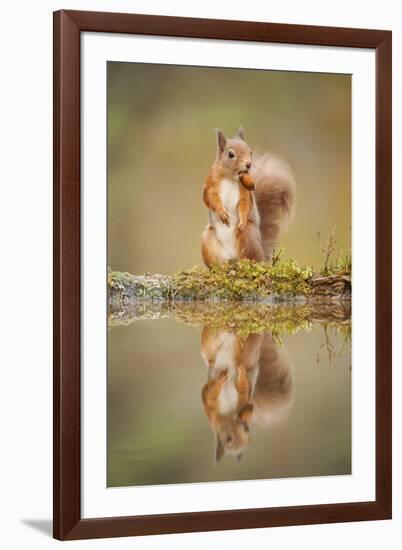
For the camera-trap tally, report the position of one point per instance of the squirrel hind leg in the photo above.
(210, 247)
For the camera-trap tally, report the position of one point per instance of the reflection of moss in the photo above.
(238, 317)
(246, 320)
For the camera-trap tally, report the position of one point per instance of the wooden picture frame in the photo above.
(68, 26)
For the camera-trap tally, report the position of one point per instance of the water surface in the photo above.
(298, 421)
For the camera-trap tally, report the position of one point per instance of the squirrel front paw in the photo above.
(223, 376)
(224, 216)
(241, 370)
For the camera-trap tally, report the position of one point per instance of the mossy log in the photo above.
(285, 282)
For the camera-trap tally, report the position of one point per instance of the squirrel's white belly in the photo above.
(230, 195)
(226, 359)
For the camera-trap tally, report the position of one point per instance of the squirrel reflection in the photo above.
(249, 385)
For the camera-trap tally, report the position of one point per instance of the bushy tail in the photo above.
(273, 395)
(275, 193)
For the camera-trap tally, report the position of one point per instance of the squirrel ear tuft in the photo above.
(221, 140)
(240, 133)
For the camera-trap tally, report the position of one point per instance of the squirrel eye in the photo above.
(231, 154)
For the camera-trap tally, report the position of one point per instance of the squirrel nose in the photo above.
(248, 165)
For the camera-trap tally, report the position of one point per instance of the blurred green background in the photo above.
(161, 144)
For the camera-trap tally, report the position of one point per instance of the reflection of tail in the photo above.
(273, 394)
(275, 194)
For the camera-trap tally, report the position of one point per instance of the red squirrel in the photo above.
(249, 386)
(249, 200)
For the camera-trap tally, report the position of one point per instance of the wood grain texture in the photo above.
(225, 29)
(67, 346)
(384, 274)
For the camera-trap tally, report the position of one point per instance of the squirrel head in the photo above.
(232, 433)
(233, 158)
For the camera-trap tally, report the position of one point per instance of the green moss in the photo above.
(117, 279)
(341, 266)
(243, 280)
(239, 280)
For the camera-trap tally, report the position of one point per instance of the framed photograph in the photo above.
(214, 183)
